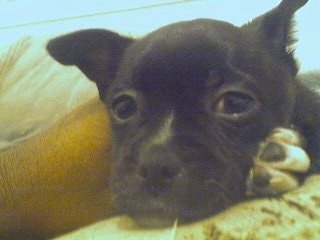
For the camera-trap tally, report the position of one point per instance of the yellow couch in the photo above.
(54, 146)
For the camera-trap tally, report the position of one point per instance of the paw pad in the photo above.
(279, 158)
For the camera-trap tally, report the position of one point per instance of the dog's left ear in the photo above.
(274, 29)
(96, 52)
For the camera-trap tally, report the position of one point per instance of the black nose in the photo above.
(158, 170)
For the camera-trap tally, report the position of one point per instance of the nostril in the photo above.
(156, 173)
(143, 172)
(168, 173)
(158, 168)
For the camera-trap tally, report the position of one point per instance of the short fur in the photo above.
(190, 103)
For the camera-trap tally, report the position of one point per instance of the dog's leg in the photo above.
(280, 160)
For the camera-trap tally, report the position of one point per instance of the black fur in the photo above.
(219, 88)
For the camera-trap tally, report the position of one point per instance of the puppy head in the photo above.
(189, 104)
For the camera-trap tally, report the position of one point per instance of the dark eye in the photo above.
(235, 103)
(124, 107)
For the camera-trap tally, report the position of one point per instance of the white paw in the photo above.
(279, 158)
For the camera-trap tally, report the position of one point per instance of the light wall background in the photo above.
(136, 18)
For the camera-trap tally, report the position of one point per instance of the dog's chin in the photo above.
(155, 221)
(148, 213)
(158, 213)
(166, 219)
(164, 209)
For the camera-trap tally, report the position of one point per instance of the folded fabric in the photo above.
(35, 90)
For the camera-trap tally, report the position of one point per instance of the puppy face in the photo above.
(189, 104)
(189, 107)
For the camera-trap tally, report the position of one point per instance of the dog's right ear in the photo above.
(96, 52)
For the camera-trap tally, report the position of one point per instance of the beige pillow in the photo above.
(295, 216)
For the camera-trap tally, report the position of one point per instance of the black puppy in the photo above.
(190, 104)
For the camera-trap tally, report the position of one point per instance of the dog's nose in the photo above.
(158, 170)
(154, 172)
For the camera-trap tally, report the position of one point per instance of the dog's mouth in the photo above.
(148, 211)
(155, 219)
(159, 197)
(155, 222)
(163, 210)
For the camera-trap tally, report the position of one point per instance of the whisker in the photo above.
(217, 183)
(221, 186)
(226, 200)
(174, 230)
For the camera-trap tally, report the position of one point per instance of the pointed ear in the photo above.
(275, 28)
(96, 52)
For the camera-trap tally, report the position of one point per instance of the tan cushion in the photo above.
(59, 180)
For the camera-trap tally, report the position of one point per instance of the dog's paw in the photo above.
(280, 159)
